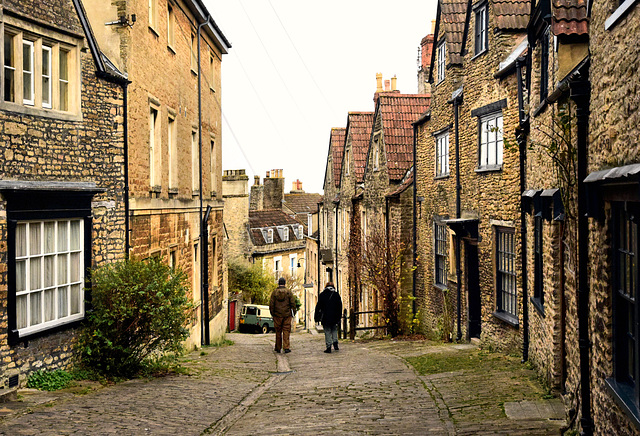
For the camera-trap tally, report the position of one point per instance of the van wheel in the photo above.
(265, 329)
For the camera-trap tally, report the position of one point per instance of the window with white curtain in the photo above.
(49, 281)
(491, 142)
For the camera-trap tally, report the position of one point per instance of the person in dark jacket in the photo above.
(282, 306)
(328, 312)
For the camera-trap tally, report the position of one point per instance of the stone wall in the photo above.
(52, 148)
(236, 213)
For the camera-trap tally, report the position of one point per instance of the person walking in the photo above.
(282, 306)
(328, 312)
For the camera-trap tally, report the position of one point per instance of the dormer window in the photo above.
(300, 232)
(481, 34)
(267, 234)
(283, 232)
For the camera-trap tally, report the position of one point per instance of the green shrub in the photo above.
(140, 312)
(49, 380)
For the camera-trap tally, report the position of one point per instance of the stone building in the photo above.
(327, 208)
(235, 193)
(467, 180)
(357, 137)
(62, 208)
(389, 158)
(171, 52)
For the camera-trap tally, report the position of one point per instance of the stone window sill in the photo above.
(506, 317)
(441, 176)
(488, 168)
(623, 396)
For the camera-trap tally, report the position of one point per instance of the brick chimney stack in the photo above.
(426, 51)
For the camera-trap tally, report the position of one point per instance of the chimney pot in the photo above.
(394, 80)
(387, 85)
(433, 26)
(378, 82)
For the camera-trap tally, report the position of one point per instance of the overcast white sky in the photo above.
(296, 68)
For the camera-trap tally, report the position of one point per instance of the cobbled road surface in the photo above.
(247, 389)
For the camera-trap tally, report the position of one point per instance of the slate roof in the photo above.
(569, 17)
(453, 14)
(270, 218)
(337, 152)
(302, 203)
(359, 126)
(398, 112)
(511, 14)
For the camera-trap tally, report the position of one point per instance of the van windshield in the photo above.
(252, 310)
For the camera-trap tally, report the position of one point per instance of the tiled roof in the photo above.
(402, 187)
(270, 218)
(398, 112)
(453, 15)
(569, 17)
(337, 152)
(302, 203)
(511, 14)
(359, 126)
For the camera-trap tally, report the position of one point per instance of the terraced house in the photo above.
(62, 208)
(467, 180)
(171, 52)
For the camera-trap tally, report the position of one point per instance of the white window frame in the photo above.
(481, 36)
(155, 147)
(32, 284)
(277, 264)
(442, 154)
(25, 99)
(172, 150)
(12, 68)
(47, 78)
(490, 141)
(442, 60)
(195, 173)
(293, 264)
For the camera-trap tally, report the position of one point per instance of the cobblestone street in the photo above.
(243, 389)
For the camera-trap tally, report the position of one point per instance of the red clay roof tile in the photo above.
(569, 17)
(359, 126)
(337, 152)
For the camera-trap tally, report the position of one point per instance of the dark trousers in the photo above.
(283, 330)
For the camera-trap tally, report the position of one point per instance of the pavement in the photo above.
(366, 388)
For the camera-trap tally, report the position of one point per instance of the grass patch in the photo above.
(56, 380)
(436, 363)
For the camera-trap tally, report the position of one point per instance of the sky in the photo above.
(296, 69)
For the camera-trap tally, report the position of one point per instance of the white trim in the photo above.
(31, 72)
(44, 76)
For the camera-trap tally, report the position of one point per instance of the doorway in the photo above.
(473, 288)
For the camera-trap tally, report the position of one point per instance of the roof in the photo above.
(569, 17)
(398, 112)
(511, 14)
(453, 16)
(302, 203)
(337, 152)
(359, 126)
(270, 218)
(399, 189)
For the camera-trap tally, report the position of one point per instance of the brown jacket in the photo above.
(283, 303)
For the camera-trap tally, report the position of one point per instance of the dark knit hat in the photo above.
(281, 281)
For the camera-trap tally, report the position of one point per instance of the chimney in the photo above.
(378, 82)
(387, 85)
(394, 80)
(433, 26)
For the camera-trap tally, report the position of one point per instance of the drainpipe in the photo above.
(522, 133)
(414, 230)
(580, 91)
(456, 109)
(204, 257)
(205, 273)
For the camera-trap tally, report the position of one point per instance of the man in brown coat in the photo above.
(282, 307)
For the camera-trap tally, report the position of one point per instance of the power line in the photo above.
(326, 100)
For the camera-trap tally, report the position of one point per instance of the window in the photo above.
(9, 68)
(173, 262)
(194, 53)
(49, 273)
(195, 170)
(544, 65)
(442, 55)
(27, 73)
(481, 34)
(171, 25)
(625, 293)
(442, 155)
(153, 14)
(155, 156)
(172, 160)
(283, 232)
(212, 159)
(212, 68)
(346, 163)
(39, 73)
(538, 278)
(277, 265)
(440, 236)
(46, 77)
(267, 234)
(64, 79)
(196, 272)
(506, 273)
(293, 263)
(491, 146)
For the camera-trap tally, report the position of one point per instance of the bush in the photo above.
(255, 284)
(50, 380)
(140, 312)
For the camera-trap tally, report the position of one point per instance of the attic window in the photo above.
(481, 34)
(300, 232)
(442, 55)
(284, 233)
(267, 234)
